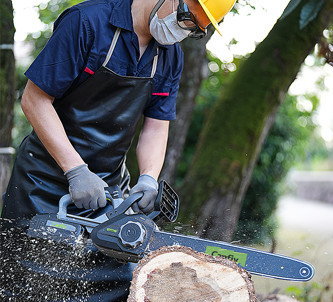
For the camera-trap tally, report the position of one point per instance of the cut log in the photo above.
(178, 273)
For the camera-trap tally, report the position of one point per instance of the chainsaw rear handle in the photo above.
(66, 200)
(166, 204)
(119, 206)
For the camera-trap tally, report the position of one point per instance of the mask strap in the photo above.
(155, 9)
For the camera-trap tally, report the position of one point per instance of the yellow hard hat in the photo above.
(216, 10)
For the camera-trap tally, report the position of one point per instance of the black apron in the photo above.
(100, 118)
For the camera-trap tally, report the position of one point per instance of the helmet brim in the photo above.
(210, 17)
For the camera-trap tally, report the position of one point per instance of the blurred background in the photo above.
(251, 151)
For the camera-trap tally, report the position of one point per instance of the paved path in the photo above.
(306, 215)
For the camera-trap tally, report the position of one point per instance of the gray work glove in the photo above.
(86, 188)
(148, 186)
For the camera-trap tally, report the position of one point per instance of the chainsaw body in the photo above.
(129, 237)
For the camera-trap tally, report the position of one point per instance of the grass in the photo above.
(314, 248)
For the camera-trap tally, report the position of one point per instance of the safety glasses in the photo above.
(187, 21)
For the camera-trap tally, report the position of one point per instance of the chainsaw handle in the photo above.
(66, 200)
(166, 204)
(125, 205)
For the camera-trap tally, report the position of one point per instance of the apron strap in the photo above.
(112, 46)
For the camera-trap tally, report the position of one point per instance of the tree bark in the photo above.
(7, 90)
(195, 69)
(181, 274)
(239, 123)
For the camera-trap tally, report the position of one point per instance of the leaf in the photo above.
(310, 11)
(290, 7)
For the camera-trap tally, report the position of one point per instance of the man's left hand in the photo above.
(148, 186)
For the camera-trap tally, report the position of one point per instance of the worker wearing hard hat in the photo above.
(107, 64)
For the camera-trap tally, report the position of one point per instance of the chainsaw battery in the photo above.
(49, 227)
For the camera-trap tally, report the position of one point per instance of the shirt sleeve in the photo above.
(166, 86)
(63, 57)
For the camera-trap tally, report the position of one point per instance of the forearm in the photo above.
(152, 146)
(38, 108)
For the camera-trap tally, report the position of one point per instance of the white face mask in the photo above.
(166, 31)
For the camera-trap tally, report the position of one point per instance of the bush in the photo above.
(313, 292)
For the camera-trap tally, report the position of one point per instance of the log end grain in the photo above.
(180, 274)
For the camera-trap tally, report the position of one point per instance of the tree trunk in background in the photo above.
(239, 122)
(7, 90)
(195, 63)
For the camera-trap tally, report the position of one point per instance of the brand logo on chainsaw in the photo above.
(227, 254)
(60, 225)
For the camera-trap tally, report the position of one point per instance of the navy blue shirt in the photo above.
(79, 44)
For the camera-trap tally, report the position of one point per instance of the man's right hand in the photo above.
(86, 188)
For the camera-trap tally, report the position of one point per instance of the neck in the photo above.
(140, 14)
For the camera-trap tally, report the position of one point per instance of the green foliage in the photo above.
(290, 8)
(48, 13)
(313, 292)
(285, 145)
(309, 11)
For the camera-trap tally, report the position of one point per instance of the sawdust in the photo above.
(41, 270)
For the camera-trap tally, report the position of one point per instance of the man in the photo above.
(107, 63)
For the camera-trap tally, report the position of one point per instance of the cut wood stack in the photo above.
(178, 273)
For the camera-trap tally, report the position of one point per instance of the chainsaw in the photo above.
(129, 237)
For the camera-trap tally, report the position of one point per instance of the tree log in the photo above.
(180, 274)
